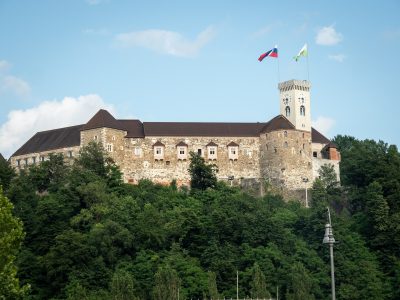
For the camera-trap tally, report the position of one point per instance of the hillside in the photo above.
(90, 236)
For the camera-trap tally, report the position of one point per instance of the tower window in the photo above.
(287, 111)
(285, 133)
(302, 110)
(285, 144)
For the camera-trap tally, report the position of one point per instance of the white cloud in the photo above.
(166, 42)
(323, 124)
(4, 65)
(23, 124)
(15, 85)
(328, 36)
(337, 57)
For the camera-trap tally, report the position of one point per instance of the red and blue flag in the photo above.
(270, 53)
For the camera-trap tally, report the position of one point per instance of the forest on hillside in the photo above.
(78, 232)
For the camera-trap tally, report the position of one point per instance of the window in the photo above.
(212, 152)
(285, 133)
(199, 152)
(18, 162)
(302, 110)
(70, 154)
(304, 146)
(182, 152)
(287, 111)
(285, 144)
(95, 137)
(275, 150)
(248, 152)
(34, 159)
(315, 154)
(42, 158)
(26, 161)
(159, 150)
(233, 152)
(137, 151)
(113, 138)
(110, 147)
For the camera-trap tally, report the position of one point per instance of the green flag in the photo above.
(302, 52)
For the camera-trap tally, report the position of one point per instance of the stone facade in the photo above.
(286, 151)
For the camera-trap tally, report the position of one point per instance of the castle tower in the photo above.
(295, 103)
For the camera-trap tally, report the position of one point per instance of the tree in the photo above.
(93, 159)
(11, 236)
(328, 177)
(300, 284)
(258, 283)
(167, 284)
(122, 286)
(212, 285)
(202, 175)
(6, 173)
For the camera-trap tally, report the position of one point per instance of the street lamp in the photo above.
(305, 180)
(330, 240)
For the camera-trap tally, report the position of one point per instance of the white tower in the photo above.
(295, 103)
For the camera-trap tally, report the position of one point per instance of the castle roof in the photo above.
(70, 136)
(202, 129)
(51, 140)
(278, 123)
(318, 137)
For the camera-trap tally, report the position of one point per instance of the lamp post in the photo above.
(305, 180)
(330, 240)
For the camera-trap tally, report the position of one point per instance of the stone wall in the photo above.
(286, 158)
(29, 159)
(141, 163)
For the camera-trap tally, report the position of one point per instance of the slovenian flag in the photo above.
(270, 53)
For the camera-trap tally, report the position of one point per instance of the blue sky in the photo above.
(60, 61)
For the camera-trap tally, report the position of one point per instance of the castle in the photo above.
(285, 151)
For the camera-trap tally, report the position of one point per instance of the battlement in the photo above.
(294, 84)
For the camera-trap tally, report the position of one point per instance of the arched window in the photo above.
(287, 110)
(285, 144)
(285, 133)
(302, 110)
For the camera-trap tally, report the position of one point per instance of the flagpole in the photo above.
(308, 68)
(279, 73)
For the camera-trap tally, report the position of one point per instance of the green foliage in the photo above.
(258, 284)
(202, 175)
(11, 236)
(300, 284)
(90, 236)
(212, 286)
(167, 284)
(7, 173)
